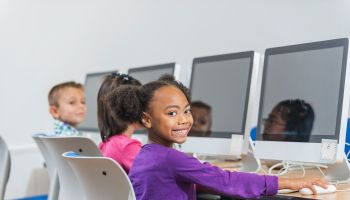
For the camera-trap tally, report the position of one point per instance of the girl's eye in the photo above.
(172, 113)
(188, 111)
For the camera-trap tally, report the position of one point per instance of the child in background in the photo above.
(161, 172)
(289, 120)
(202, 120)
(67, 107)
(116, 126)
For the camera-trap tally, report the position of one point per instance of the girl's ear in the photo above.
(146, 120)
(54, 112)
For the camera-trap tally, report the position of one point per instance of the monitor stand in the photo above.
(339, 171)
(249, 162)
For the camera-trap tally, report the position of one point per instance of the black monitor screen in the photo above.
(220, 89)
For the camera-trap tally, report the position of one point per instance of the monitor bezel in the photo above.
(171, 65)
(87, 128)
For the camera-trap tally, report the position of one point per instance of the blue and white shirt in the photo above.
(64, 129)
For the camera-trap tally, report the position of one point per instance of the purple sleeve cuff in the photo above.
(271, 185)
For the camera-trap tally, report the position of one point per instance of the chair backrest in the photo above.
(5, 167)
(48, 159)
(101, 177)
(56, 146)
(51, 166)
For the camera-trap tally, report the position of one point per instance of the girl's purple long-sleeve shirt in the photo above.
(159, 172)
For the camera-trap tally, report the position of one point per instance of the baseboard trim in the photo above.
(20, 148)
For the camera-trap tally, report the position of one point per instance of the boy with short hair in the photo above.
(67, 107)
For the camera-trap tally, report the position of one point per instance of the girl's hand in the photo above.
(299, 183)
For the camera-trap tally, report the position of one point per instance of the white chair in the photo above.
(5, 167)
(56, 146)
(51, 167)
(101, 177)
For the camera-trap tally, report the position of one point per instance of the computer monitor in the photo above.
(92, 85)
(312, 77)
(223, 85)
(152, 72)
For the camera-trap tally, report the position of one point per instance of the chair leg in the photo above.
(54, 188)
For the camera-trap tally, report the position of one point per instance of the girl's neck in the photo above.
(158, 140)
(131, 129)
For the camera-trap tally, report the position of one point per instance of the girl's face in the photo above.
(168, 118)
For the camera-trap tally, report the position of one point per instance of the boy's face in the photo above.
(169, 117)
(71, 107)
(274, 124)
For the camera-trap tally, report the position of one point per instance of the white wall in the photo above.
(43, 42)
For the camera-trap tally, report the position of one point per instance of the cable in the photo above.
(262, 169)
(319, 168)
(343, 190)
(291, 166)
(273, 167)
(337, 182)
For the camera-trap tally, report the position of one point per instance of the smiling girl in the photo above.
(161, 172)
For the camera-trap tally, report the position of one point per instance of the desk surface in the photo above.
(234, 166)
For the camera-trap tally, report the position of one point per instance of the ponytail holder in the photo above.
(125, 77)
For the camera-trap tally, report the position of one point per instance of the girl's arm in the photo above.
(130, 151)
(246, 185)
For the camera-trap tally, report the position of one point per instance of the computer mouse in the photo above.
(319, 190)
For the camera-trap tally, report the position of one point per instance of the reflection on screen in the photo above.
(311, 76)
(151, 73)
(222, 84)
(289, 120)
(91, 87)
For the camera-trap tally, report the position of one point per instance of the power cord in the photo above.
(287, 166)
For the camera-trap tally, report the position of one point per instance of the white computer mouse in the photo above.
(319, 190)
